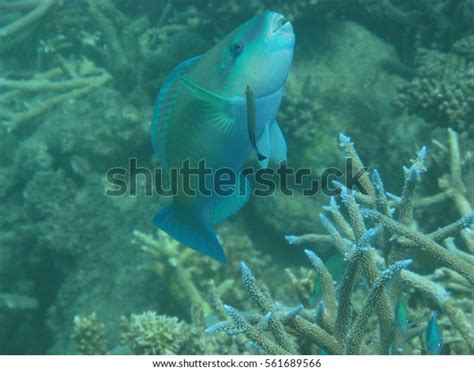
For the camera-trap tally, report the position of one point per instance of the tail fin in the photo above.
(190, 229)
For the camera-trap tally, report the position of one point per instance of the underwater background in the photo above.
(389, 272)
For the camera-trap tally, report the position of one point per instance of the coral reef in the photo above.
(15, 31)
(383, 255)
(406, 24)
(89, 335)
(170, 264)
(77, 84)
(324, 97)
(187, 274)
(443, 90)
(149, 333)
(51, 88)
(71, 59)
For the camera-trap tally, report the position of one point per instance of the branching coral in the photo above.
(185, 274)
(12, 33)
(132, 50)
(169, 267)
(51, 87)
(97, 44)
(383, 254)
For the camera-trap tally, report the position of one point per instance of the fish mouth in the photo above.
(281, 26)
(286, 28)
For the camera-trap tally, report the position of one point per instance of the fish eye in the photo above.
(236, 47)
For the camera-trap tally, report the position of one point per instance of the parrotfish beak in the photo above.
(281, 28)
(280, 25)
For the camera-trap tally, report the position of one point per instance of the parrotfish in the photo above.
(434, 342)
(201, 115)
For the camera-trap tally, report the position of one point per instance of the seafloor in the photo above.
(81, 272)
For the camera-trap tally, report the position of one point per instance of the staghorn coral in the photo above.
(14, 32)
(169, 265)
(381, 264)
(89, 335)
(50, 88)
(34, 89)
(84, 46)
(138, 51)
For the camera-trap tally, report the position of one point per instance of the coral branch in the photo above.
(310, 238)
(169, 268)
(344, 309)
(422, 241)
(350, 153)
(328, 290)
(444, 301)
(314, 333)
(405, 207)
(22, 23)
(265, 304)
(376, 292)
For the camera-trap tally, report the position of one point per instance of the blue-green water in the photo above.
(84, 271)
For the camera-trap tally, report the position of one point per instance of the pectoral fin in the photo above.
(216, 110)
(272, 144)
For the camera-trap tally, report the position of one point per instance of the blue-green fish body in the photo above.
(336, 265)
(402, 325)
(201, 114)
(434, 342)
(402, 317)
